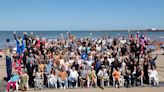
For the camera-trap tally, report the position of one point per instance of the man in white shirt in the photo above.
(73, 77)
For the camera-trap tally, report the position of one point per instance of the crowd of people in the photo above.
(70, 62)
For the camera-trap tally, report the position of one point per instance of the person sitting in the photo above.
(52, 79)
(139, 75)
(13, 82)
(116, 77)
(92, 77)
(153, 76)
(73, 77)
(134, 76)
(38, 80)
(128, 77)
(103, 76)
(83, 76)
(62, 77)
(24, 81)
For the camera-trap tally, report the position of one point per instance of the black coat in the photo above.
(30, 68)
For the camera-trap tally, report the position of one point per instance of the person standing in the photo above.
(8, 59)
(8, 66)
(30, 70)
(20, 43)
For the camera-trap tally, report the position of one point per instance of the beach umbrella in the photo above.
(151, 47)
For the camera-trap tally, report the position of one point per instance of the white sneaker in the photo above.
(64, 87)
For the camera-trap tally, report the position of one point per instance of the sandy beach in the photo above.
(144, 89)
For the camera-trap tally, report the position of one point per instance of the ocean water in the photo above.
(79, 34)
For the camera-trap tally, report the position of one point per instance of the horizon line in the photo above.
(95, 30)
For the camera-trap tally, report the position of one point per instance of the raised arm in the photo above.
(15, 36)
(130, 36)
(155, 57)
(25, 36)
(19, 61)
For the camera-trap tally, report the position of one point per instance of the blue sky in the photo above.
(81, 14)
